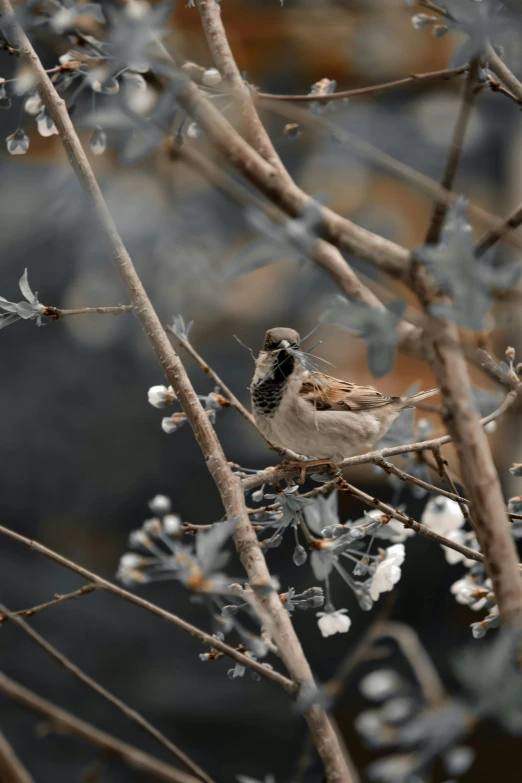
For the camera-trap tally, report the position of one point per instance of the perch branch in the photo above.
(58, 599)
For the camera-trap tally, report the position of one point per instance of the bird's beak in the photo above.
(284, 344)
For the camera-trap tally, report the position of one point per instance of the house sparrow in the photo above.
(314, 414)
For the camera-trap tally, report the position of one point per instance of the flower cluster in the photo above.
(162, 396)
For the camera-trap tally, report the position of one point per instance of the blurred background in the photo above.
(83, 452)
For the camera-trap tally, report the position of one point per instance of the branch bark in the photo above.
(228, 484)
(11, 768)
(64, 721)
(135, 716)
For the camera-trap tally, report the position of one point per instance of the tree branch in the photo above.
(11, 768)
(109, 587)
(228, 484)
(130, 713)
(455, 152)
(63, 721)
(58, 599)
(414, 78)
(55, 312)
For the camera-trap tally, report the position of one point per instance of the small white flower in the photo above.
(136, 9)
(160, 396)
(399, 532)
(211, 77)
(160, 504)
(98, 141)
(333, 622)
(109, 87)
(452, 556)
(172, 524)
(33, 104)
(68, 57)
(152, 526)
(45, 125)
(129, 561)
(388, 572)
(380, 684)
(490, 427)
(465, 591)
(17, 143)
(442, 515)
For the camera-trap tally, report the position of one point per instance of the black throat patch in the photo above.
(267, 393)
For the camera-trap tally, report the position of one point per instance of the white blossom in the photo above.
(380, 684)
(399, 533)
(160, 396)
(33, 104)
(333, 622)
(160, 504)
(465, 591)
(442, 515)
(45, 125)
(98, 141)
(17, 143)
(388, 572)
(453, 556)
(172, 524)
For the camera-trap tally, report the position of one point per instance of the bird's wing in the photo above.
(327, 393)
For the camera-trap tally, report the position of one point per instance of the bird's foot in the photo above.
(305, 464)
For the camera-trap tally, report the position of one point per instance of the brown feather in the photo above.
(327, 393)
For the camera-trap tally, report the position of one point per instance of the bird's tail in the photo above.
(412, 399)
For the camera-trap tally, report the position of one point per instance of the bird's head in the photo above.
(280, 338)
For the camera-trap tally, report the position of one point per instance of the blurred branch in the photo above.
(130, 713)
(58, 599)
(414, 78)
(55, 312)
(63, 722)
(202, 636)
(501, 70)
(479, 474)
(453, 159)
(11, 768)
(419, 660)
(281, 473)
(228, 484)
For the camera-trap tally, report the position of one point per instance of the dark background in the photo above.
(83, 452)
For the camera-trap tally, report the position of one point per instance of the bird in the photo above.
(315, 415)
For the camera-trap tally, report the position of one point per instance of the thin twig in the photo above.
(55, 312)
(11, 768)
(390, 468)
(228, 484)
(455, 152)
(414, 78)
(444, 473)
(64, 722)
(130, 713)
(202, 636)
(58, 599)
(419, 660)
(418, 527)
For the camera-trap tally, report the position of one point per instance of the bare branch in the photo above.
(419, 660)
(63, 722)
(444, 473)
(455, 152)
(58, 599)
(135, 716)
(55, 312)
(109, 587)
(390, 468)
(228, 484)
(432, 77)
(11, 768)
(407, 521)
